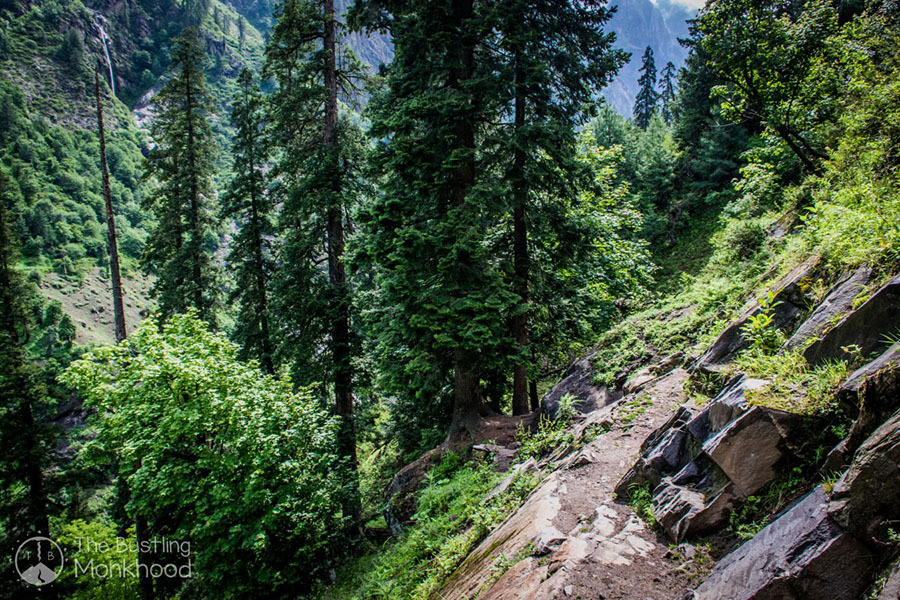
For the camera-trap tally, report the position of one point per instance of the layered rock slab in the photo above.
(804, 555)
(868, 327)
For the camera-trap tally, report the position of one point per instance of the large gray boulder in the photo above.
(866, 327)
(838, 302)
(821, 548)
(665, 451)
(804, 555)
(703, 462)
(891, 589)
(749, 450)
(696, 500)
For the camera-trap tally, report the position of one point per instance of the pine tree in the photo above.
(250, 260)
(178, 251)
(667, 92)
(645, 103)
(557, 56)
(318, 175)
(23, 511)
(444, 302)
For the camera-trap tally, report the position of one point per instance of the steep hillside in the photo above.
(48, 140)
(682, 435)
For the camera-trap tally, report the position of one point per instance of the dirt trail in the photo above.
(572, 538)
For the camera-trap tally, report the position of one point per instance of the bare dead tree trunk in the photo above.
(118, 305)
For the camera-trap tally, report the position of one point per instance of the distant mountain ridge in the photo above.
(638, 24)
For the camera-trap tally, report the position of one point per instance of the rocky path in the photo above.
(572, 538)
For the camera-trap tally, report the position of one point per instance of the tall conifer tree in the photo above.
(667, 92)
(645, 103)
(178, 251)
(247, 201)
(318, 179)
(557, 56)
(444, 301)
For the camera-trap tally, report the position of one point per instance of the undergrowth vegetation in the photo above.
(456, 510)
(759, 509)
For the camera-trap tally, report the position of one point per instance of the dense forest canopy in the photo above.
(347, 269)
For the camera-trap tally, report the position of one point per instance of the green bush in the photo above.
(742, 238)
(243, 466)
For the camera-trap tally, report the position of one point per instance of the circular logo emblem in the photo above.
(39, 560)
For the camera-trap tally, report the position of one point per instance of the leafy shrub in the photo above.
(549, 435)
(742, 238)
(243, 465)
(760, 330)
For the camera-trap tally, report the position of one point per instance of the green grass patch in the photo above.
(759, 509)
(795, 386)
(640, 499)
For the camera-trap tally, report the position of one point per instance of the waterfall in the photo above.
(105, 40)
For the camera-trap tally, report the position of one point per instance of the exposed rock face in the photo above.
(401, 497)
(867, 497)
(865, 327)
(637, 381)
(793, 302)
(838, 302)
(753, 441)
(891, 589)
(804, 555)
(821, 549)
(701, 463)
(872, 390)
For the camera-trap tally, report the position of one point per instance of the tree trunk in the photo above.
(194, 216)
(37, 501)
(520, 246)
(468, 403)
(340, 327)
(262, 302)
(788, 138)
(145, 583)
(533, 393)
(118, 306)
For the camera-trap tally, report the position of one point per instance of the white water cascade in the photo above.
(105, 39)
